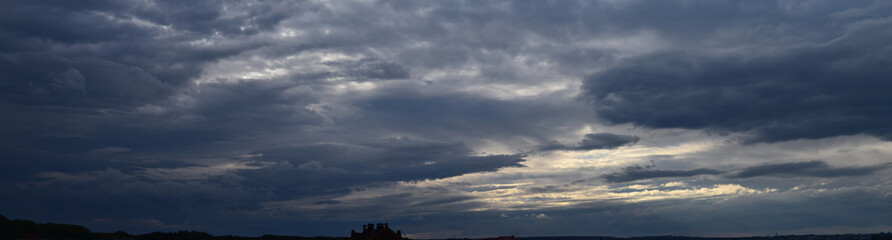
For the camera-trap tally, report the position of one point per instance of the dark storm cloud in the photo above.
(806, 169)
(99, 54)
(52, 38)
(105, 120)
(226, 18)
(322, 168)
(244, 107)
(417, 201)
(68, 22)
(101, 21)
(594, 141)
(633, 173)
(41, 79)
(72, 141)
(75, 77)
(459, 116)
(814, 91)
(113, 195)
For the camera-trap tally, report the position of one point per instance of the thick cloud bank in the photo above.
(816, 90)
(449, 118)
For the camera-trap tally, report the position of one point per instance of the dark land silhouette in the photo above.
(27, 229)
(381, 232)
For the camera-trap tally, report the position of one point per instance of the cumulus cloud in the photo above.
(540, 216)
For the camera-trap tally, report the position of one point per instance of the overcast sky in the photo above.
(449, 118)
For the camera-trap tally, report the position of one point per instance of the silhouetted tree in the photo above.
(63, 231)
(6, 228)
(112, 236)
(181, 235)
(882, 236)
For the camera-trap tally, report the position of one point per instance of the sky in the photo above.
(449, 118)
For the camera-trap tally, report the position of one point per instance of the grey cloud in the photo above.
(37, 137)
(633, 173)
(76, 78)
(377, 69)
(251, 105)
(70, 80)
(109, 150)
(418, 201)
(106, 44)
(111, 194)
(26, 161)
(816, 168)
(806, 169)
(81, 81)
(813, 91)
(228, 18)
(97, 21)
(548, 189)
(69, 23)
(338, 167)
(594, 141)
(776, 212)
(121, 83)
(751, 215)
(461, 116)
(605, 140)
(102, 83)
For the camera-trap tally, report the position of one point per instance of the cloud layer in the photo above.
(471, 119)
(819, 169)
(817, 90)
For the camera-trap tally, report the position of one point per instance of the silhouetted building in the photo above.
(501, 238)
(379, 232)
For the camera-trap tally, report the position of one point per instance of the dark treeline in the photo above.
(26, 229)
(872, 236)
(18, 229)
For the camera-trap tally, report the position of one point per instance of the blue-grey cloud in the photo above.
(323, 168)
(594, 141)
(139, 112)
(819, 169)
(459, 116)
(806, 169)
(812, 91)
(548, 189)
(376, 69)
(636, 172)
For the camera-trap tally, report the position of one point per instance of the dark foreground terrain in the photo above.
(873, 236)
(26, 229)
